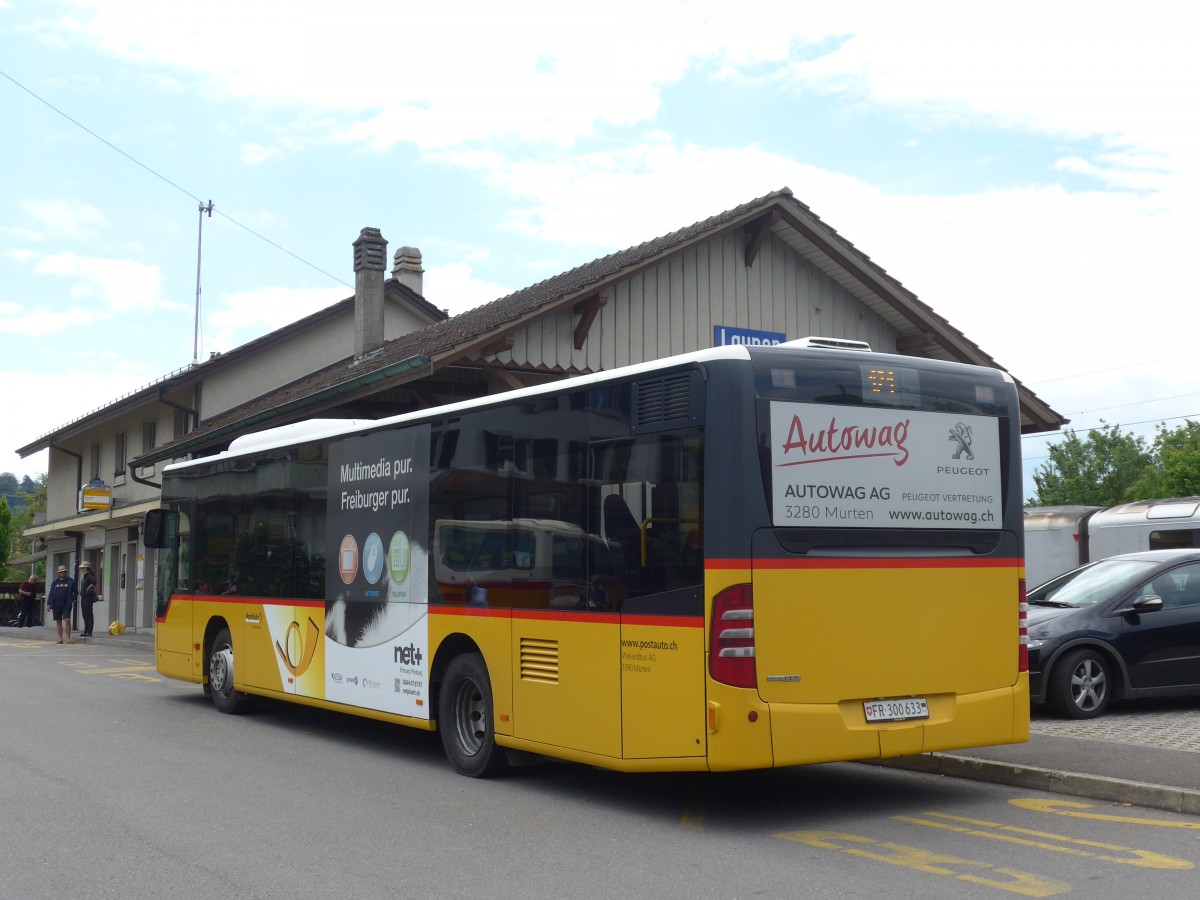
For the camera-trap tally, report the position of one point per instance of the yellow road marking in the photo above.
(1072, 810)
(1013, 880)
(1141, 858)
(133, 670)
(118, 670)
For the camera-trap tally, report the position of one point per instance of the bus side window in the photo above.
(620, 526)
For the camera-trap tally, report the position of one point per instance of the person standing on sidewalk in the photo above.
(27, 602)
(87, 597)
(60, 598)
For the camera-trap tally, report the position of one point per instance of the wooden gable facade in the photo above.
(674, 305)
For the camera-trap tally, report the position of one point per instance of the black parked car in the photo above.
(1121, 628)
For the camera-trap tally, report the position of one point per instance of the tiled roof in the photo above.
(465, 333)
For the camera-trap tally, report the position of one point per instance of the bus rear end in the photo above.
(869, 605)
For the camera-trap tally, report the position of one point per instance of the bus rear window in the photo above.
(850, 379)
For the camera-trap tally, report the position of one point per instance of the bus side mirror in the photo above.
(154, 528)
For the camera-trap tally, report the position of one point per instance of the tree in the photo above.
(1103, 469)
(34, 495)
(1176, 469)
(8, 537)
(10, 489)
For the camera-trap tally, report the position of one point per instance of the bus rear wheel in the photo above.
(465, 719)
(220, 675)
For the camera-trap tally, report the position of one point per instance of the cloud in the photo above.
(241, 316)
(75, 388)
(542, 82)
(456, 288)
(121, 285)
(65, 219)
(253, 154)
(40, 322)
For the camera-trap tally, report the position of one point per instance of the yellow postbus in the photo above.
(740, 558)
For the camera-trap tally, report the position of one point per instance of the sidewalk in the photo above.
(1145, 754)
(128, 640)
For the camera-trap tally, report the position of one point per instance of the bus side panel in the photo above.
(283, 648)
(490, 630)
(739, 728)
(567, 680)
(738, 721)
(662, 687)
(173, 640)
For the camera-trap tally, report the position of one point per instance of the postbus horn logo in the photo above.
(304, 649)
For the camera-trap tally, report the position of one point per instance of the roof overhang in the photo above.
(122, 516)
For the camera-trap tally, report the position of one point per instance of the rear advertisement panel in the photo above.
(377, 572)
(869, 467)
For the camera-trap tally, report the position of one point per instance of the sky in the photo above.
(1030, 170)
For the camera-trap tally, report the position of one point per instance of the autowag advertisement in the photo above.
(376, 581)
(869, 467)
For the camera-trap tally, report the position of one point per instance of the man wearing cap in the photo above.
(60, 597)
(87, 596)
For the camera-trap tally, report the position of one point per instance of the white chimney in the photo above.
(407, 269)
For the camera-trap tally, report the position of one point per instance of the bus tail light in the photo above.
(731, 641)
(1023, 632)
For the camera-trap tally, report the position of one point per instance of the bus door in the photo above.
(167, 531)
(566, 684)
(277, 634)
(651, 513)
(565, 640)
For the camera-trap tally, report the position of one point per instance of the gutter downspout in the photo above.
(195, 415)
(134, 475)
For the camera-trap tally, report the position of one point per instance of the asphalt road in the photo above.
(121, 784)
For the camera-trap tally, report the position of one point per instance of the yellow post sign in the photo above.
(95, 495)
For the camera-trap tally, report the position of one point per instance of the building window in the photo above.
(95, 460)
(149, 436)
(120, 446)
(182, 420)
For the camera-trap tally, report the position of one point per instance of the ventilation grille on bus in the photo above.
(670, 401)
(539, 660)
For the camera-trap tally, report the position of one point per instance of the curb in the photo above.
(1094, 787)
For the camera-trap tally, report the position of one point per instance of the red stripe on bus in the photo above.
(247, 599)
(485, 611)
(938, 562)
(554, 615)
(668, 621)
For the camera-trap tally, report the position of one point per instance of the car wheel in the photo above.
(220, 675)
(1080, 687)
(465, 718)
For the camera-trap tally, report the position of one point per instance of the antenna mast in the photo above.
(199, 240)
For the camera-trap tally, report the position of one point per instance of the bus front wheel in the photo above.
(465, 718)
(220, 674)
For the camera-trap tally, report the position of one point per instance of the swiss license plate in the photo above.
(896, 710)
